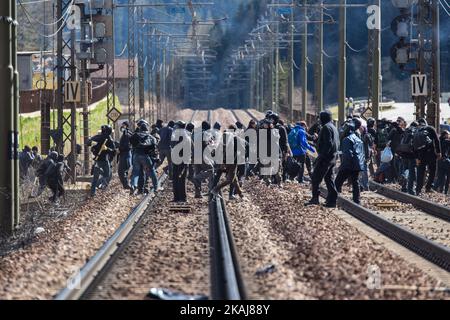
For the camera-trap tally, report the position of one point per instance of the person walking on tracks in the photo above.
(353, 162)
(165, 148)
(299, 145)
(327, 148)
(180, 168)
(144, 145)
(102, 150)
(428, 148)
(125, 155)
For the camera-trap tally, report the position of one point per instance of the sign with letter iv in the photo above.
(72, 91)
(419, 85)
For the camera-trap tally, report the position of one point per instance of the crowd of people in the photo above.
(386, 151)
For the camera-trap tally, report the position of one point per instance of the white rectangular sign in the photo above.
(419, 85)
(72, 91)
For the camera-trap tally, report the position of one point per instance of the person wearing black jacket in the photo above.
(125, 155)
(102, 150)
(427, 157)
(144, 150)
(165, 149)
(285, 151)
(443, 176)
(327, 148)
(395, 138)
(180, 170)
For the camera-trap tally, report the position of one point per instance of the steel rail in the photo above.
(95, 269)
(226, 276)
(431, 251)
(434, 209)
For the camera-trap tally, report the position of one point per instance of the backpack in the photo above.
(292, 167)
(293, 139)
(421, 139)
(382, 137)
(406, 146)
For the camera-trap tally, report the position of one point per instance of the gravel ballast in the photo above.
(170, 250)
(40, 269)
(316, 254)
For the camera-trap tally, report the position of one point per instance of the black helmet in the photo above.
(144, 126)
(274, 117)
(217, 126)
(370, 122)
(180, 125)
(106, 130)
(269, 113)
(190, 127)
(206, 126)
(53, 155)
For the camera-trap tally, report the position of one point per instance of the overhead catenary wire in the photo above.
(353, 49)
(66, 14)
(445, 9)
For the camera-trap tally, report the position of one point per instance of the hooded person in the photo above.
(165, 147)
(124, 154)
(327, 148)
(144, 149)
(428, 149)
(353, 161)
(181, 140)
(102, 151)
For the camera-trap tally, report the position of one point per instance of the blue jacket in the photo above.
(299, 146)
(353, 158)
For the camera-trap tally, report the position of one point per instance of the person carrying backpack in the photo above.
(144, 154)
(406, 151)
(353, 162)
(102, 151)
(299, 145)
(428, 149)
(395, 137)
(381, 140)
(443, 176)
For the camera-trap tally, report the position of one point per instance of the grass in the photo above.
(30, 127)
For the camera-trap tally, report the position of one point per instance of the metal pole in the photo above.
(434, 107)
(319, 65)
(291, 68)
(376, 72)
(277, 67)
(342, 60)
(73, 115)
(8, 183)
(261, 83)
(305, 63)
(252, 84)
(141, 78)
(15, 188)
(420, 101)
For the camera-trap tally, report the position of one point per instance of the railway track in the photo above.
(225, 276)
(430, 250)
(97, 267)
(434, 209)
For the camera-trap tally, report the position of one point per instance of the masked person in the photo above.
(102, 158)
(205, 170)
(144, 149)
(26, 159)
(327, 147)
(180, 164)
(165, 147)
(125, 155)
(353, 162)
(428, 150)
